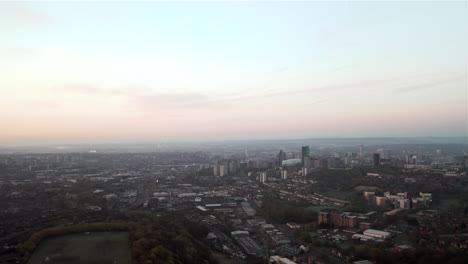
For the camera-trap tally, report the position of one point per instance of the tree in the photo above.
(152, 240)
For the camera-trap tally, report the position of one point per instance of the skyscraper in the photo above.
(307, 162)
(281, 157)
(284, 174)
(263, 177)
(226, 166)
(305, 152)
(376, 158)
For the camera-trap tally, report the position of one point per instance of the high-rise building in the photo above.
(281, 157)
(226, 166)
(223, 170)
(305, 153)
(334, 163)
(263, 177)
(381, 201)
(411, 159)
(307, 163)
(376, 158)
(403, 204)
(233, 166)
(284, 174)
(321, 163)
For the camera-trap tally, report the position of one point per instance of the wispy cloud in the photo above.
(87, 89)
(170, 100)
(15, 15)
(144, 98)
(320, 88)
(428, 84)
(43, 104)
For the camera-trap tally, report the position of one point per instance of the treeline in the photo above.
(419, 255)
(358, 204)
(27, 247)
(161, 241)
(283, 213)
(153, 240)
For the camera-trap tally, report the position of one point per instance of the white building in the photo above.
(223, 170)
(381, 200)
(284, 174)
(377, 233)
(281, 260)
(362, 237)
(404, 203)
(263, 177)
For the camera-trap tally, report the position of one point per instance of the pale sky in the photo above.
(98, 71)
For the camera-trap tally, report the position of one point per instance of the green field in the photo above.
(361, 188)
(447, 204)
(337, 194)
(317, 208)
(451, 201)
(94, 248)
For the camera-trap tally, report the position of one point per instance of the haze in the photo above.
(97, 71)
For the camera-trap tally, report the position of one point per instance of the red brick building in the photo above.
(337, 218)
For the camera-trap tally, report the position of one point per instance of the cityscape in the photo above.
(304, 204)
(234, 132)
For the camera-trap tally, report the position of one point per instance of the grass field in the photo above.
(94, 248)
(337, 194)
(450, 201)
(317, 208)
(447, 204)
(361, 188)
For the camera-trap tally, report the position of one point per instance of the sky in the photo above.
(82, 71)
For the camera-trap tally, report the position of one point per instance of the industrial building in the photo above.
(377, 233)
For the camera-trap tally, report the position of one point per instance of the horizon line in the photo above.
(120, 142)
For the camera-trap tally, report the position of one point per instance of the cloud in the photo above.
(87, 89)
(350, 85)
(16, 15)
(410, 88)
(288, 92)
(281, 70)
(170, 100)
(42, 104)
(143, 98)
(94, 90)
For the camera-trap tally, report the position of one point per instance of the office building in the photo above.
(225, 167)
(281, 157)
(284, 174)
(376, 158)
(305, 153)
(263, 177)
(307, 162)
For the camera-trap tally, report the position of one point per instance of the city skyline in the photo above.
(155, 71)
